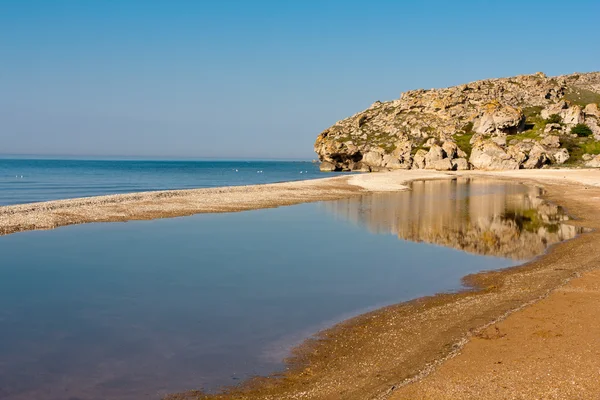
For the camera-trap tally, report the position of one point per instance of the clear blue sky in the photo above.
(241, 79)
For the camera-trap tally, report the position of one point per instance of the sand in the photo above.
(525, 332)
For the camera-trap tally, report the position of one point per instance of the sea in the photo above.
(27, 180)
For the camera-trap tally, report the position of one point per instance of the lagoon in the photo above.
(140, 309)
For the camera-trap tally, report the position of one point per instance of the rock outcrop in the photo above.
(507, 123)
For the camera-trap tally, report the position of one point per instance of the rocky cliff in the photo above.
(527, 121)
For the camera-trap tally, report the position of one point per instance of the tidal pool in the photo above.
(140, 309)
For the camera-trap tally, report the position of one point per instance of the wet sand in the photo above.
(514, 329)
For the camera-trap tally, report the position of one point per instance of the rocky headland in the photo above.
(523, 122)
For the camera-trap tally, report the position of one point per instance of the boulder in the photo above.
(419, 159)
(561, 156)
(441, 165)
(373, 158)
(460, 164)
(389, 161)
(327, 166)
(587, 157)
(553, 128)
(592, 109)
(557, 108)
(519, 151)
(402, 152)
(573, 116)
(430, 142)
(594, 125)
(436, 153)
(450, 148)
(551, 141)
(538, 156)
(594, 162)
(487, 155)
(500, 140)
(498, 118)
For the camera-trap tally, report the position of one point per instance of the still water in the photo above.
(139, 309)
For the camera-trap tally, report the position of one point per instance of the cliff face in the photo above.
(508, 123)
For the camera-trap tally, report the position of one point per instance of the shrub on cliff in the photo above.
(554, 119)
(582, 130)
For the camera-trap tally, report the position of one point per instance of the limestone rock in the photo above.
(460, 164)
(561, 156)
(419, 159)
(538, 156)
(555, 109)
(487, 155)
(592, 110)
(373, 158)
(573, 116)
(389, 161)
(430, 142)
(327, 166)
(402, 153)
(441, 165)
(594, 125)
(552, 141)
(500, 140)
(499, 118)
(519, 151)
(587, 157)
(553, 128)
(594, 162)
(451, 149)
(436, 153)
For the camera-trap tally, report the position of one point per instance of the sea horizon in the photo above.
(80, 157)
(30, 179)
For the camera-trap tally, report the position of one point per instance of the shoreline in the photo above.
(378, 354)
(179, 203)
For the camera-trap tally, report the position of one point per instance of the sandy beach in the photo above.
(525, 332)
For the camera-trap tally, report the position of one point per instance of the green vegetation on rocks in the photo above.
(463, 141)
(577, 147)
(582, 130)
(554, 119)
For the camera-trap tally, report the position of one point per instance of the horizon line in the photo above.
(105, 157)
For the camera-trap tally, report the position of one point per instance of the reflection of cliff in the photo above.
(477, 216)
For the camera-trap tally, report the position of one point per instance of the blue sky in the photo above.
(244, 79)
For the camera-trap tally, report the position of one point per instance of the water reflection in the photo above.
(479, 216)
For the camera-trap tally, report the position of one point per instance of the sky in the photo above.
(253, 79)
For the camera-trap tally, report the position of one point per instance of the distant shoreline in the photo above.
(176, 203)
(68, 157)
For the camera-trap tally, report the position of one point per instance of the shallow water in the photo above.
(136, 310)
(31, 180)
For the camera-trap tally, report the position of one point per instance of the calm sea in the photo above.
(31, 180)
(136, 310)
